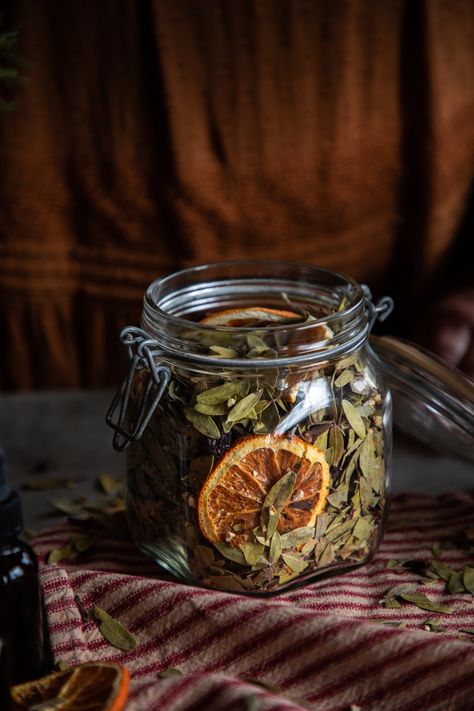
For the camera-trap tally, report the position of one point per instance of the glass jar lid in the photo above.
(432, 401)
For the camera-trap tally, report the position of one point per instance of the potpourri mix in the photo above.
(251, 480)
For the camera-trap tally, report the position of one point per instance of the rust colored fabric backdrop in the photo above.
(154, 135)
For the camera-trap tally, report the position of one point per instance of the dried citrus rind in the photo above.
(95, 686)
(249, 316)
(233, 496)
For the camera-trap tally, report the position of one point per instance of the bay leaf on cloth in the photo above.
(326, 646)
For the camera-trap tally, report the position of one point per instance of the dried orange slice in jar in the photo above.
(249, 316)
(96, 686)
(261, 316)
(236, 493)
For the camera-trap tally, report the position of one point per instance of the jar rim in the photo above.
(167, 297)
(163, 281)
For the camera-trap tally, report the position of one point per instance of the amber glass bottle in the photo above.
(21, 625)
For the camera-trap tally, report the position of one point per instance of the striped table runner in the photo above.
(330, 646)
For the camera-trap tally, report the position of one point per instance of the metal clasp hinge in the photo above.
(379, 311)
(142, 352)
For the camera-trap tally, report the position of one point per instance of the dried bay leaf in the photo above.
(297, 536)
(439, 569)
(66, 552)
(346, 362)
(399, 589)
(468, 579)
(396, 565)
(74, 546)
(354, 444)
(224, 582)
(242, 408)
(365, 410)
(363, 528)
(432, 625)
(325, 555)
(339, 497)
(366, 495)
(337, 520)
(252, 551)
(275, 547)
(366, 458)
(335, 534)
(350, 442)
(336, 443)
(113, 631)
(322, 522)
(296, 563)
(262, 562)
(82, 543)
(378, 475)
(309, 547)
(322, 440)
(261, 406)
(203, 423)
(392, 603)
(67, 506)
(110, 485)
(254, 341)
(272, 523)
(349, 470)
(220, 393)
(270, 417)
(354, 419)
(424, 603)
(212, 410)
(223, 352)
(275, 501)
(231, 553)
(344, 378)
(456, 583)
(285, 576)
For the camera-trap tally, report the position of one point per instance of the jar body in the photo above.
(253, 479)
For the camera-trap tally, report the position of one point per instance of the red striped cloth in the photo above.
(324, 646)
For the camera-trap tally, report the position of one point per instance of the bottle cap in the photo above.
(11, 519)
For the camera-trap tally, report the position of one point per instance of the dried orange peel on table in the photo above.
(96, 686)
(232, 497)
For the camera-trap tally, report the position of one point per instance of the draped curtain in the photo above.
(148, 136)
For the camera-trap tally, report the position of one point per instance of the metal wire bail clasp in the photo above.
(381, 310)
(142, 352)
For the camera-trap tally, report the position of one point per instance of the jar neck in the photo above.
(332, 318)
(333, 315)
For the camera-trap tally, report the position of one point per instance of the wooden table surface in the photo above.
(64, 432)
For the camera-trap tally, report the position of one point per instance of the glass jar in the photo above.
(257, 425)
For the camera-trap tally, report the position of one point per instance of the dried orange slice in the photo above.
(96, 686)
(233, 495)
(249, 316)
